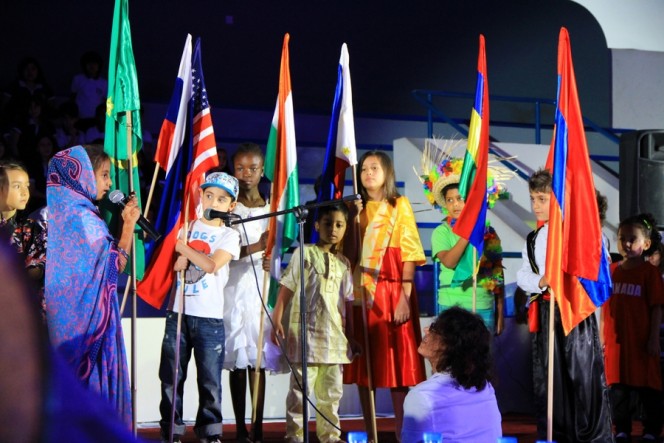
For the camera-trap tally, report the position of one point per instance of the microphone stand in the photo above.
(301, 213)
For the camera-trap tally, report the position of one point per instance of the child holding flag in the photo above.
(441, 175)
(580, 402)
(204, 258)
(391, 249)
(243, 305)
(631, 326)
(329, 294)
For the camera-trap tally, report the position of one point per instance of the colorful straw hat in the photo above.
(440, 168)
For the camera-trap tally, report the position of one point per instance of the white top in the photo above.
(243, 305)
(525, 277)
(254, 229)
(204, 293)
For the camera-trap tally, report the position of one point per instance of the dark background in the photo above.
(394, 47)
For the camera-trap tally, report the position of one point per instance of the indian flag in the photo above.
(472, 185)
(281, 170)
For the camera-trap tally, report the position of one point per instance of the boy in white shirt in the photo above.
(204, 258)
(581, 411)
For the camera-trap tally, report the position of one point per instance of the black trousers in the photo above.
(651, 400)
(581, 406)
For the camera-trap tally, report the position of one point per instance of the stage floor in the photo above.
(521, 426)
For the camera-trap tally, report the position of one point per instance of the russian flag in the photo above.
(472, 184)
(172, 130)
(577, 267)
(341, 150)
(172, 156)
(186, 150)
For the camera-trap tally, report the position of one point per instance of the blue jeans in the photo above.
(205, 336)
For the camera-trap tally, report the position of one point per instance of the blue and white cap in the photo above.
(223, 181)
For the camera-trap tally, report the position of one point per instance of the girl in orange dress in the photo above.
(384, 273)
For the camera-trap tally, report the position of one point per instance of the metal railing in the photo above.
(435, 114)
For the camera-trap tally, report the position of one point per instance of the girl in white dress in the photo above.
(242, 306)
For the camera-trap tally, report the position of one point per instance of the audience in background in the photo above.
(89, 88)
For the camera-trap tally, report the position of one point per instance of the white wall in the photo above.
(635, 24)
(638, 88)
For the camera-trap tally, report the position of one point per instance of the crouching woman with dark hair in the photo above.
(459, 392)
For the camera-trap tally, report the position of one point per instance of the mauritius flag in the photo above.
(281, 170)
(577, 267)
(123, 136)
(472, 185)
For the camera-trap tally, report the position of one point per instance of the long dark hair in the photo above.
(390, 185)
(465, 352)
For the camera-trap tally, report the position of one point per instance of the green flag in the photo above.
(122, 136)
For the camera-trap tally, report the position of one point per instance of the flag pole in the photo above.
(151, 192)
(261, 335)
(549, 397)
(124, 299)
(146, 210)
(178, 329)
(133, 281)
(259, 351)
(365, 327)
(475, 269)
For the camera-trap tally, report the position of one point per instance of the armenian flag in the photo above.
(577, 266)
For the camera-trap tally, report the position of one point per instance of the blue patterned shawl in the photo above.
(81, 277)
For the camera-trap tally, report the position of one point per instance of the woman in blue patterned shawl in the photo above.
(81, 298)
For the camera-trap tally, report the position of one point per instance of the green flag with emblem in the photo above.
(123, 136)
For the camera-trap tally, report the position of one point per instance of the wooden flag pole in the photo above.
(261, 333)
(145, 214)
(365, 327)
(151, 192)
(124, 299)
(178, 329)
(551, 366)
(259, 351)
(475, 269)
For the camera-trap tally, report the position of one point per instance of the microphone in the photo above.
(119, 198)
(211, 214)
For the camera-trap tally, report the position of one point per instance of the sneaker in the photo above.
(211, 439)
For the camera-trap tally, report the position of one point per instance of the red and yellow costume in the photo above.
(390, 238)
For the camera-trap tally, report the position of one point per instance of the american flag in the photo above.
(186, 149)
(204, 143)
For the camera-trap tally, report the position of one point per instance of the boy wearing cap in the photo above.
(204, 258)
